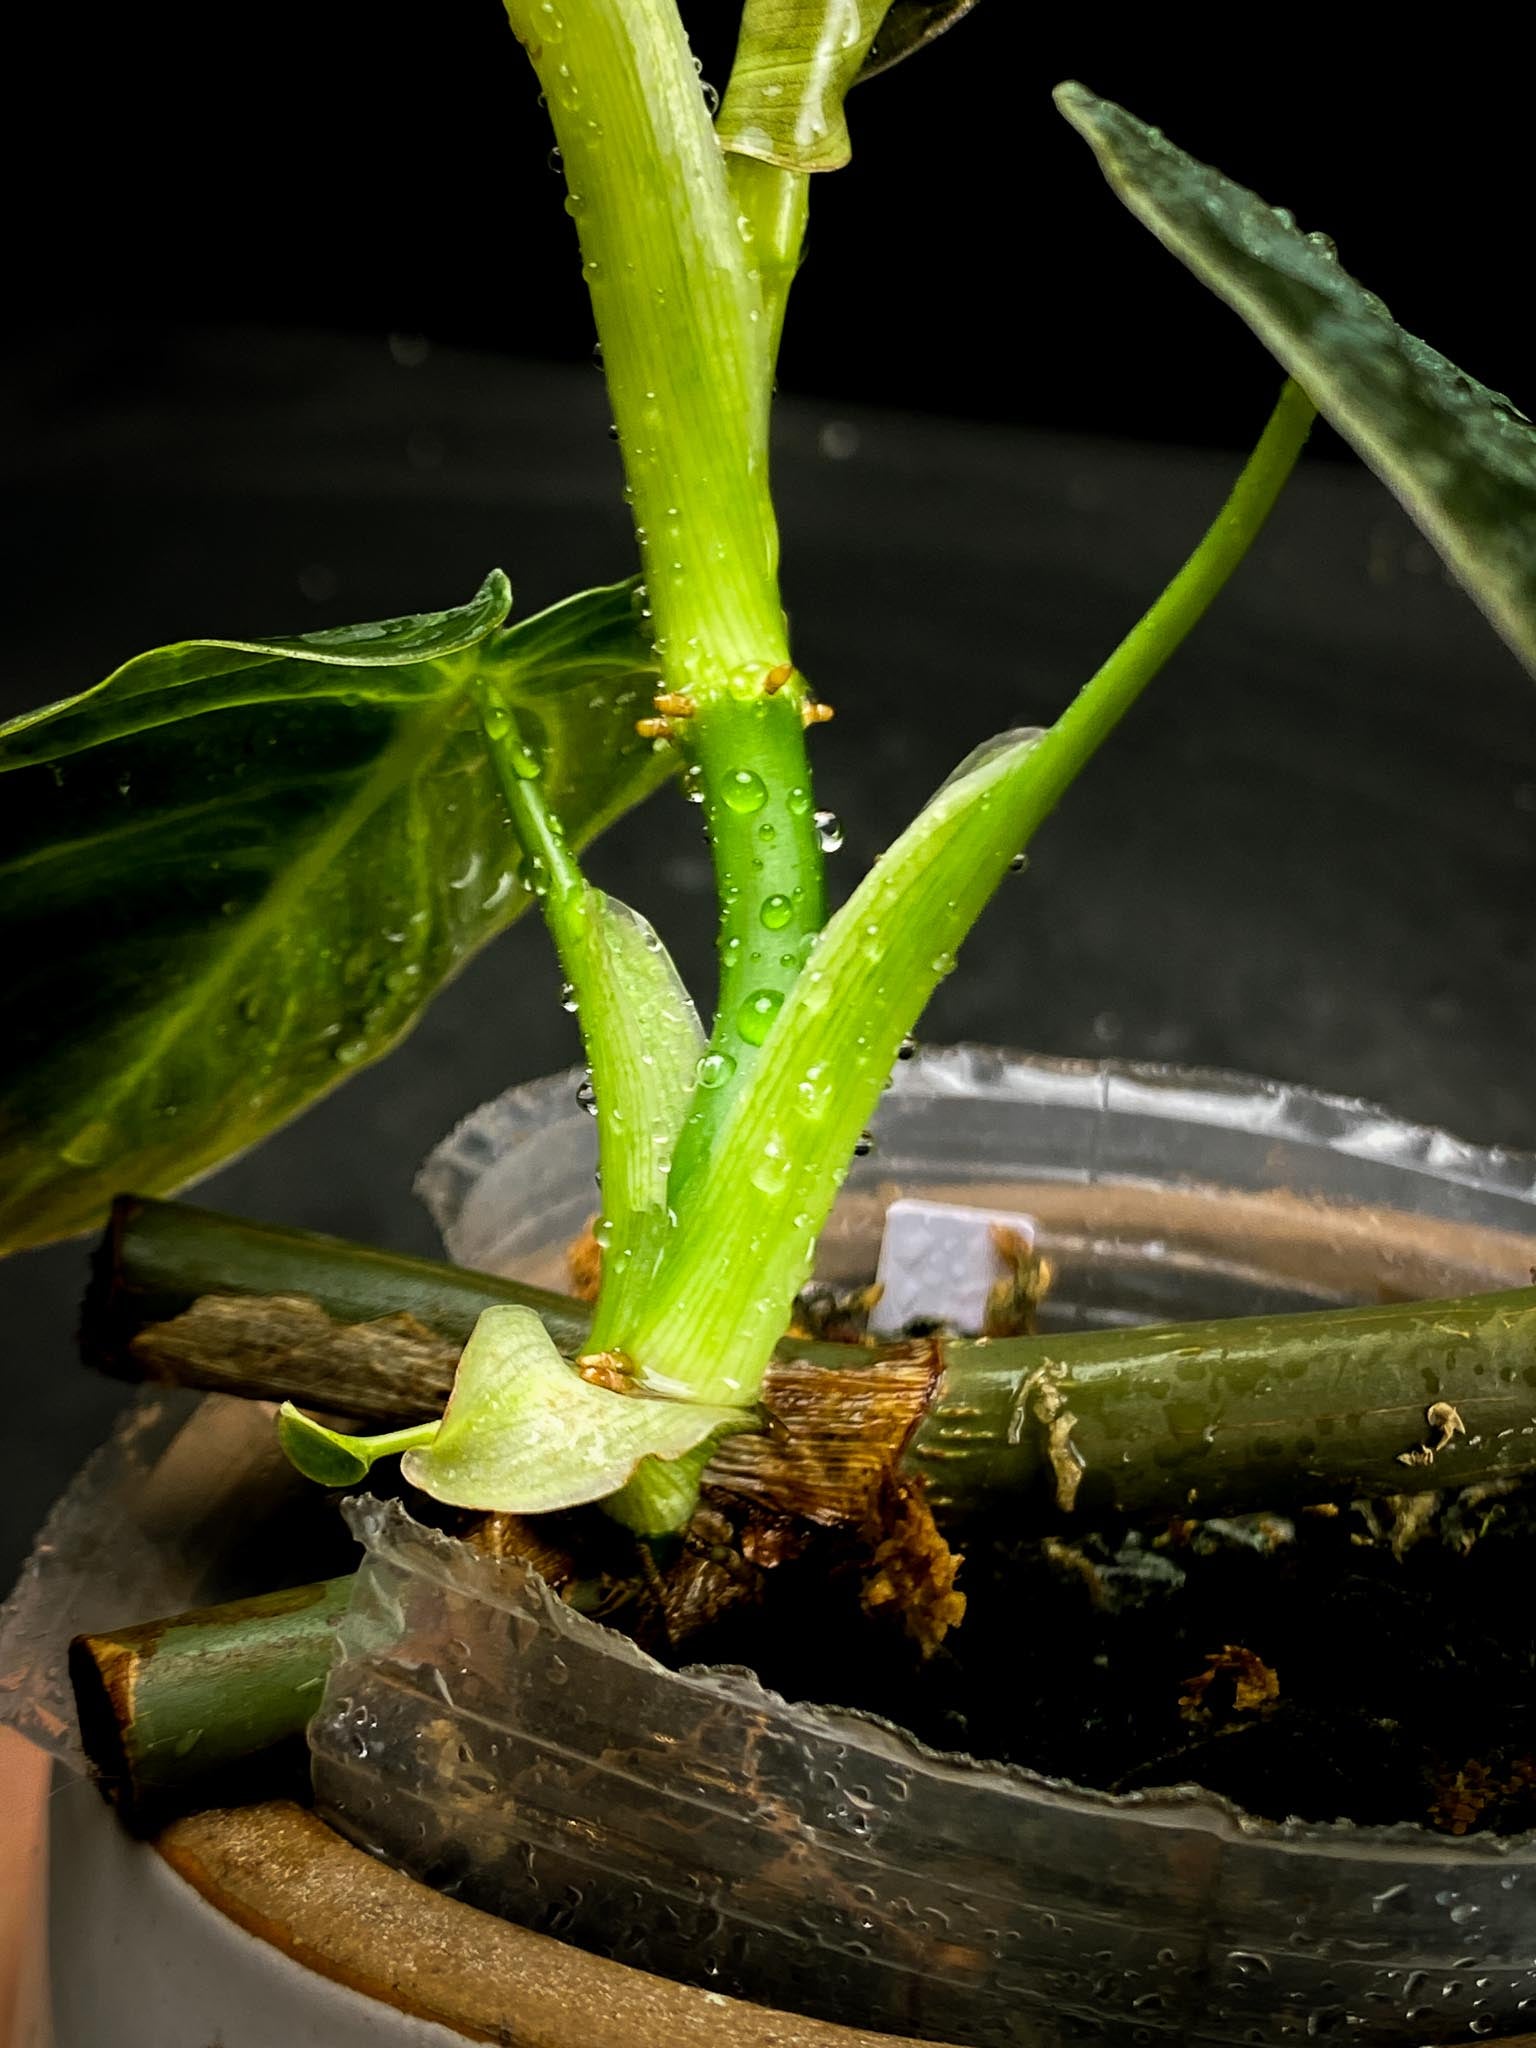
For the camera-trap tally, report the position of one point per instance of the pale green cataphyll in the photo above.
(236, 870)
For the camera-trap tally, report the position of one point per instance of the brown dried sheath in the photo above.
(287, 1313)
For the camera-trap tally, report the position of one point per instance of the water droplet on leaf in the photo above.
(770, 1176)
(813, 1094)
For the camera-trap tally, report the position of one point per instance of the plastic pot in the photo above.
(482, 1736)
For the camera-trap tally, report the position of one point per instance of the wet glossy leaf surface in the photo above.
(910, 26)
(525, 1433)
(644, 1040)
(794, 61)
(235, 871)
(1461, 458)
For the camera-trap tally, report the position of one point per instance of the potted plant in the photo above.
(298, 922)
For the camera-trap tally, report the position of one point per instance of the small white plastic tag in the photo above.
(939, 1263)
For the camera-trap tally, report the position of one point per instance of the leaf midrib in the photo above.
(158, 821)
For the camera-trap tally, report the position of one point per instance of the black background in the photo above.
(316, 164)
(1311, 851)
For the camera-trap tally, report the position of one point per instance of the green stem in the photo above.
(552, 872)
(1104, 700)
(750, 763)
(754, 780)
(680, 323)
(1227, 1417)
(573, 911)
(774, 204)
(210, 1703)
(688, 311)
(770, 875)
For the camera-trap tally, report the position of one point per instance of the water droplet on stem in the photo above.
(743, 791)
(757, 1013)
(714, 1069)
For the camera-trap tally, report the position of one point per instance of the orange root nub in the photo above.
(584, 1263)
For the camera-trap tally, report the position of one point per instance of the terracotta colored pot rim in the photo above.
(280, 1873)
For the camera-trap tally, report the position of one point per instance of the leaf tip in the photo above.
(496, 592)
(1099, 121)
(321, 1454)
(1074, 100)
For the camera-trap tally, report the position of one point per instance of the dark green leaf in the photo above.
(1460, 457)
(910, 26)
(795, 59)
(215, 675)
(235, 871)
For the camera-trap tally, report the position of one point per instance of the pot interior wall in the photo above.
(1161, 1193)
